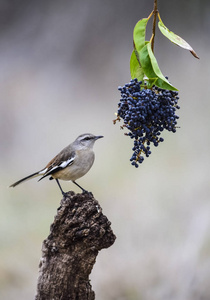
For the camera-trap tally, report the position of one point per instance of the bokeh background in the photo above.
(60, 65)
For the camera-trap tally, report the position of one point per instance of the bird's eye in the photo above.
(87, 138)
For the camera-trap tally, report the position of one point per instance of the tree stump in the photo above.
(78, 233)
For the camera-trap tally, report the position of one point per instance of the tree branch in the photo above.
(155, 11)
(78, 233)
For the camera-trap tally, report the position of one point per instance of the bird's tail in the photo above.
(26, 178)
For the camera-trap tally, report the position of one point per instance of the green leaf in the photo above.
(146, 63)
(135, 67)
(139, 33)
(161, 78)
(151, 69)
(175, 38)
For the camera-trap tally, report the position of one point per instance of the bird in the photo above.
(71, 163)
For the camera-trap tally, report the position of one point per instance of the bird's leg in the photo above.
(83, 190)
(63, 193)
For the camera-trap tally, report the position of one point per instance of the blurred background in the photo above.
(60, 65)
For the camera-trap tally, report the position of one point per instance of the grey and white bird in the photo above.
(73, 162)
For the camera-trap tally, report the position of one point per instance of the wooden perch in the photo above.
(78, 233)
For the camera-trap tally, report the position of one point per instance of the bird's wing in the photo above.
(59, 162)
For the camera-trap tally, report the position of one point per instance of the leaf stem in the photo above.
(155, 11)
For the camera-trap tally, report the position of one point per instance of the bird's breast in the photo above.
(81, 165)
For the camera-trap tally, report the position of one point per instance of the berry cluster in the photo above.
(146, 113)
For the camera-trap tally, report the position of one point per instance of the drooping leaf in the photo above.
(146, 63)
(161, 78)
(139, 33)
(174, 38)
(151, 69)
(135, 67)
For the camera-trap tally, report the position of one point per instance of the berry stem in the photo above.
(155, 11)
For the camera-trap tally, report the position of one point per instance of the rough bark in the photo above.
(78, 233)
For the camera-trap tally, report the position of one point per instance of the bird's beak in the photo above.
(98, 137)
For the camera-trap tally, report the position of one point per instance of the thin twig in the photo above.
(155, 11)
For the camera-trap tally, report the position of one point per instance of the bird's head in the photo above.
(87, 140)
